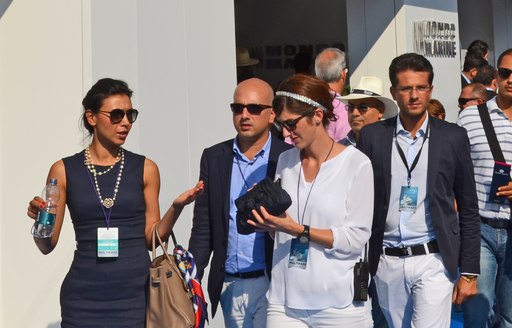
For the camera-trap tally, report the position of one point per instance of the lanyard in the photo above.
(312, 185)
(240, 169)
(416, 159)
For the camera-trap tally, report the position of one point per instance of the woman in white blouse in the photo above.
(323, 234)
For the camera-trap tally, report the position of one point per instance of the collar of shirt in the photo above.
(400, 131)
(264, 152)
(351, 137)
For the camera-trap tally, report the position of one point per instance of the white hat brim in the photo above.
(390, 107)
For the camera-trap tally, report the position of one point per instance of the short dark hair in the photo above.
(410, 61)
(478, 90)
(471, 62)
(507, 52)
(101, 90)
(478, 48)
(485, 74)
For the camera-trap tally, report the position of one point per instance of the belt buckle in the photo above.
(407, 251)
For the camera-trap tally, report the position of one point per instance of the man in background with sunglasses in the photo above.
(240, 265)
(493, 303)
(472, 94)
(366, 105)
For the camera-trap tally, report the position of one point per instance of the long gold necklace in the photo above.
(107, 202)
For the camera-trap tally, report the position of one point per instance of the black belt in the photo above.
(422, 249)
(247, 275)
(497, 224)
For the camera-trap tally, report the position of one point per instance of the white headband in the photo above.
(301, 98)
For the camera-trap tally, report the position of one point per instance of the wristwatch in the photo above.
(304, 235)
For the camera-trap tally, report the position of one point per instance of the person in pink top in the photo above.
(330, 66)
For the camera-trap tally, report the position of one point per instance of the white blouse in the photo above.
(341, 200)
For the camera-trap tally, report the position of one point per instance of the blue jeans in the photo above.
(492, 306)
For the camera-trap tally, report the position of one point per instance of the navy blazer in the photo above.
(211, 213)
(450, 178)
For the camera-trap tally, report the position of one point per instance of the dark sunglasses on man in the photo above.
(253, 109)
(362, 108)
(464, 101)
(504, 73)
(117, 115)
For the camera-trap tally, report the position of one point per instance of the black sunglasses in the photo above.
(117, 115)
(291, 125)
(464, 101)
(504, 73)
(362, 108)
(253, 109)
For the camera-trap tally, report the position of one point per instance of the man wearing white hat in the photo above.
(366, 105)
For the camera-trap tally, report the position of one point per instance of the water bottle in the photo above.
(43, 227)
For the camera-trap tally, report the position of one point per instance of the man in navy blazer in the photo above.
(239, 269)
(421, 247)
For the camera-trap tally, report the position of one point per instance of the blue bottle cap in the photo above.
(53, 181)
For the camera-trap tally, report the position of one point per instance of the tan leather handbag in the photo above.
(169, 299)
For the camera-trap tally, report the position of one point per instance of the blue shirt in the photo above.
(406, 228)
(245, 252)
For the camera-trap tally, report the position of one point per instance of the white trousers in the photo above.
(414, 291)
(244, 302)
(357, 315)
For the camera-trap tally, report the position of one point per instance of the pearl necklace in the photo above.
(90, 166)
(107, 202)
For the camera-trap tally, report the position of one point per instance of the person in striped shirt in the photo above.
(492, 306)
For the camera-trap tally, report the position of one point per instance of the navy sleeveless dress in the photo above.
(106, 292)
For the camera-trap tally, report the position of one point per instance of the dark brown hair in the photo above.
(307, 86)
(104, 88)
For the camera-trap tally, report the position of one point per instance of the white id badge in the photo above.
(298, 254)
(408, 199)
(108, 242)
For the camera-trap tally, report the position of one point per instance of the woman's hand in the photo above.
(34, 206)
(189, 196)
(271, 223)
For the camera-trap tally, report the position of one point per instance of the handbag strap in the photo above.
(496, 151)
(154, 238)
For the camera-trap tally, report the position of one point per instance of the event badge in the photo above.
(408, 199)
(298, 254)
(108, 242)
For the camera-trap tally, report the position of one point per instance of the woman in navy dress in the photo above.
(112, 197)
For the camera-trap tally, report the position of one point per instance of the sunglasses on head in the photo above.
(117, 115)
(291, 124)
(504, 73)
(253, 109)
(464, 101)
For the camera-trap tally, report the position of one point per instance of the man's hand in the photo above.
(505, 191)
(464, 289)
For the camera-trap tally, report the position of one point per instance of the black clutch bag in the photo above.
(266, 193)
